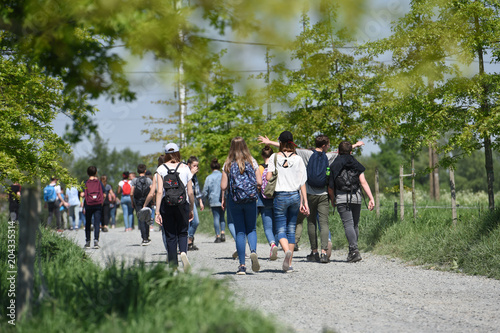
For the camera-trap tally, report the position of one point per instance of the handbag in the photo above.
(271, 183)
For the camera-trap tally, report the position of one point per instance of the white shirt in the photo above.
(291, 178)
(184, 173)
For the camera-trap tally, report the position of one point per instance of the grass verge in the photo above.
(76, 295)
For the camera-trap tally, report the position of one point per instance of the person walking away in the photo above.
(94, 198)
(74, 207)
(109, 197)
(141, 187)
(241, 177)
(176, 201)
(347, 179)
(193, 165)
(14, 201)
(212, 191)
(265, 205)
(152, 196)
(290, 195)
(50, 197)
(124, 189)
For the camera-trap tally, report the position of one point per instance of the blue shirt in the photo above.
(212, 190)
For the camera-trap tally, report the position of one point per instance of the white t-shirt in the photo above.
(72, 196)
(291, 178)
(184, 173)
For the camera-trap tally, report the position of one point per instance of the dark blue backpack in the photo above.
(243, 185)
(316, 170)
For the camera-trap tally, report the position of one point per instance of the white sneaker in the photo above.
(185, 262)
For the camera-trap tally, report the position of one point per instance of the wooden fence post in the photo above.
(377, 200)
(453, 196)
(29, 220)
(395, 210)
(413, 193)
(401, 194)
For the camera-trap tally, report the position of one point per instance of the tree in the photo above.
(328, 89)
(29, 101)
(424, 98)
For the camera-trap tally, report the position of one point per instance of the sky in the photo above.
(121, 123)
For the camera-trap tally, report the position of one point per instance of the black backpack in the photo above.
(316, 170)
(347, 181)
(173, 188)
(141, 189)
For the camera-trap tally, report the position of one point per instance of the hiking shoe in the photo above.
(96, 244)
(104, 229)
(87, 245)
(235, 255)
(242, 270)
(286, 261)
(329, 250)
(255, 262)
(145, 242)
(222, 237)
(185, 262)
(192, 247)
(217, 240)
(324, 258)
(354, 256)
(314, 256)
(296, 248)
(273, 255)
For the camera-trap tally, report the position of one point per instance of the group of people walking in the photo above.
(291, 184)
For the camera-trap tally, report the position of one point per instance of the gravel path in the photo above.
(377, 294)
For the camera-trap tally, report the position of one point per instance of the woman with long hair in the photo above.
(174, 217)
(290, 194)
(212, 191)
(241, 177)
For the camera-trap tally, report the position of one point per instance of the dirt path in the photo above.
(375, 295)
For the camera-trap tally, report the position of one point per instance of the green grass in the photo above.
(82, 297)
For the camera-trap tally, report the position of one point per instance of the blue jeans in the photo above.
(230, 223)
(193, 225)
(267, 212)
(286, 209)
(219, 222)
(112, 214)
(244, 217)
(128, 212)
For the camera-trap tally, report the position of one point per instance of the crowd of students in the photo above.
(305, 182)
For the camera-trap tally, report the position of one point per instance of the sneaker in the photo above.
(146, 242)
(222, 237)
(314, 256)
(185, 262)
(235, 255)
(273, 255)
(324, 258)
(329, 250)
(296, 248)
(354, 256)
(104, 229)
(255, 262)
(286, 262)
(96, 244)
(290, 270)
(242, 270)
(217, 240)
(87, 245)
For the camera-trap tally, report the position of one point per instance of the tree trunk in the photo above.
(436, 174)
(488, 154)
(431, 174)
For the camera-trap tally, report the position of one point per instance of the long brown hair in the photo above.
(239, 153)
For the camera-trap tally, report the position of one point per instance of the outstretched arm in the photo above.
(265, 140)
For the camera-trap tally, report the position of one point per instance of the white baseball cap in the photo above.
(171, 148)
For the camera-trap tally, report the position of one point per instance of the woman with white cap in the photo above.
(175, 209)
